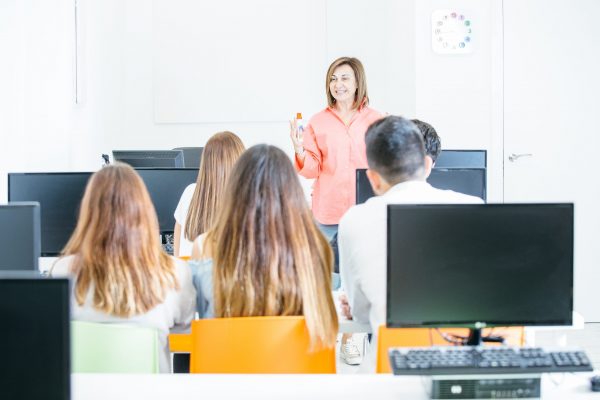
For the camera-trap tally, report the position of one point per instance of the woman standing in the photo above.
(332, 145)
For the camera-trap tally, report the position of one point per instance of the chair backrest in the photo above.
(424, 337)
(111, 348)
(252, 345)
(191, 156)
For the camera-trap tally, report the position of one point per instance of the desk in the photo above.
(296, 387)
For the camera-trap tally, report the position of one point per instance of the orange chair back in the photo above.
(263, 345)
(424, 337)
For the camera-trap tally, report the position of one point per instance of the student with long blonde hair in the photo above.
(265, 255)
(197, 206)
(120, 273)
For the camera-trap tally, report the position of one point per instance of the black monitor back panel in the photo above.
(20, 236)
(150, 158)
(462, 159)
(165, 186)
(463, 171)
(35, 337)
(471, 181)
(59, 195)
(191, 156)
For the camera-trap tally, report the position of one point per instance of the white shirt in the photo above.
(362, 240)
(181, 212)
(174, 314)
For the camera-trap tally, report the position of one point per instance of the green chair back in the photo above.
(111, 348)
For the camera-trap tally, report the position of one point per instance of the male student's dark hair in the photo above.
(433, 143)
(395, 149)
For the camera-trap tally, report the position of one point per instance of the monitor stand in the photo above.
(475, 338)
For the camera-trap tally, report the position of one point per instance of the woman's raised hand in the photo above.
(297, 136)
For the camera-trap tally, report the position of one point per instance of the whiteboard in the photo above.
(238, 60)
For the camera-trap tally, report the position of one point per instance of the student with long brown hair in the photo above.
(120, 273)
(265, 255)
(197, 206)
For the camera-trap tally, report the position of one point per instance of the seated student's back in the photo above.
(198, 204)
(120, 273)
(265, 256)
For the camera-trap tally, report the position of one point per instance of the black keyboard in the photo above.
(455, 360)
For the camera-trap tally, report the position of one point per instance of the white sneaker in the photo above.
(350, 353)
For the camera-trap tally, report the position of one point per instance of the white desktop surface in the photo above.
(249, 387)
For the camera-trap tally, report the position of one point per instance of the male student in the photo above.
(349, 351)
(431, 140)
(397, 170)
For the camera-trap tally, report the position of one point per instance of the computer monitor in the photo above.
(20, 236)
(165, 186)
(150, 158)
(479, 265)
(463, 171)
(471, 181)
(59, 195)
(35, 337)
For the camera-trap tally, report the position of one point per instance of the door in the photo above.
(551, 121)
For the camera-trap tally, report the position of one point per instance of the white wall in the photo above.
(457, 94)
(36, 79)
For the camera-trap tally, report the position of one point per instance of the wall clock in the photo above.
(451, 32)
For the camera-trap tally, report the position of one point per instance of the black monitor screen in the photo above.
(59, 195)
(364, 191)
(499, 264)
(150, 158)
(471, 181)
(165, 187)
(35, 337)
(20, 236)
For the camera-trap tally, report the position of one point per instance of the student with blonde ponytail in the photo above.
(197, 206)
(265, 255)
(120, 273)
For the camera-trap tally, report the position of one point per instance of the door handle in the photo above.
(514, 157)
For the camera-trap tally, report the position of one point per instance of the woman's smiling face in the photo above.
(342, 84)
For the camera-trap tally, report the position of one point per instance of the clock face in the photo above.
(451, 32)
